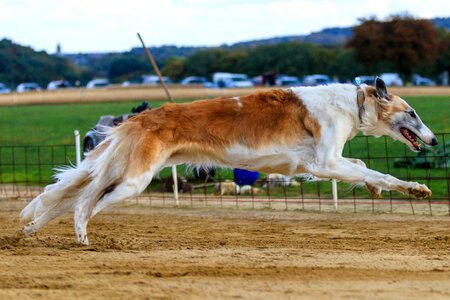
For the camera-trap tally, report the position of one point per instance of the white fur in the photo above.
(238, 101)
(336, 109)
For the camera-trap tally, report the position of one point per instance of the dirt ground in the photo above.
(168, 253)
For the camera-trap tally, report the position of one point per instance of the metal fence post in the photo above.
(175, 184)
(77, 147)
(335, 193)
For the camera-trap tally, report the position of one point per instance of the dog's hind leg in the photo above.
(45, 217)
(85, 210)
(129, 187)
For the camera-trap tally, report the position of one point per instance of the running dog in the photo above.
(287, 131)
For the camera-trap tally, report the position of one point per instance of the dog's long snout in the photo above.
(434, 141)
(427, 136)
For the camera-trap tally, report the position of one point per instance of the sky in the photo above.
(111, 25)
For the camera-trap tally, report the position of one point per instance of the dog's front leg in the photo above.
(374, 190)
(345, 170)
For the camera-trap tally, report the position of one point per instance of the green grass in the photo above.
(54, 124)
(22, 126)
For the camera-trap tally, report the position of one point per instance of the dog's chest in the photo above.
(281, 159)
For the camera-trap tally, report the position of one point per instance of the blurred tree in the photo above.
(124, 67)
(402, 41)
(233, 60)
(175, 68)
(20, 64)
(345, 67)
(443, 58)
(205, 62)
(292, 58)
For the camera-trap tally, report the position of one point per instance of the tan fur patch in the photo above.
(207, 127)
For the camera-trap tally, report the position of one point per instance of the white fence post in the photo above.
(77, 146)
(335, 193)
(175, 184)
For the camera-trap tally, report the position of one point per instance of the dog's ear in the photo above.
(381, 88)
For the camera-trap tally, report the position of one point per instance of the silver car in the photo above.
(4, 89)
(97, 134)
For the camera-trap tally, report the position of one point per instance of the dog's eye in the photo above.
(412, 114)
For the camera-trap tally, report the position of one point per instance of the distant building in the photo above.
(58, 50)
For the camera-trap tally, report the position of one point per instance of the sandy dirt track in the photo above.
(155, 253)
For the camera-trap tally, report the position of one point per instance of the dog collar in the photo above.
(360, 97)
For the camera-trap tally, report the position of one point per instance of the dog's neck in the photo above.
(367, 117)
(360, 98)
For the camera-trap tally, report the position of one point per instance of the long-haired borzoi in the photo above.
(288, 131)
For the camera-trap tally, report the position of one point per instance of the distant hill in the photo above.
(327, 36)
(22, 64)
(442, 22)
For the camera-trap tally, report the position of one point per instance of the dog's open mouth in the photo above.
(411, 137)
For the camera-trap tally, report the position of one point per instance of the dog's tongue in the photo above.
(412, 138)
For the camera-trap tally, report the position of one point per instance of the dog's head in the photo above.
(385, 114)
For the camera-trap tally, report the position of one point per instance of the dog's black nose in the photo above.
(434, 142)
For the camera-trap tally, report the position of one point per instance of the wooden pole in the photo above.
(155, 67)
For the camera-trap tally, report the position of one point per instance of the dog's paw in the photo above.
(28, 229)
(420, 191)
(374, 190)
(83, 239)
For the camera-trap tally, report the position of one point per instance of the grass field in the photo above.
(54, 125)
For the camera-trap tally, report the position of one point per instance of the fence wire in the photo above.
(26, 170)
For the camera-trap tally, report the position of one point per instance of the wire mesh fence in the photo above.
(25, 170)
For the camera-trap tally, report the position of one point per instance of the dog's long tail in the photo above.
(97, 174)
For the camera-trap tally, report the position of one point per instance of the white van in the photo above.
(231, 80)
(97, 83)
(391, 79)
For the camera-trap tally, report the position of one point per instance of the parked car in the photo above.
(316, 79)
(391, 79)
(367, 79)
(284, 80)
(58, 84)
(4, 89)
(154, 80)
(422, 81)
(231, 80)
(196, 80)
(97, 83)
(28, 87)
(193, 80)
(132, 82)
(98, 133)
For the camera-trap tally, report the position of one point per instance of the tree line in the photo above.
(23, 64)
(399, 44)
